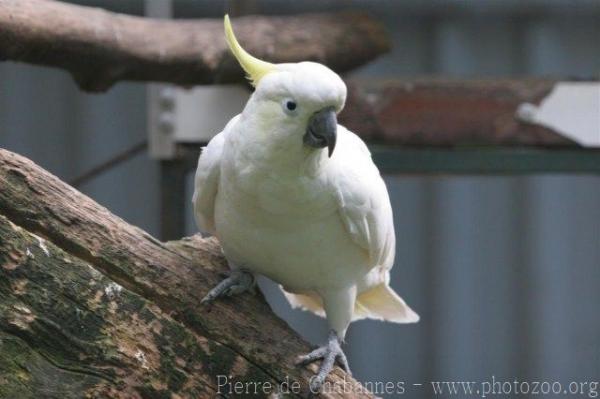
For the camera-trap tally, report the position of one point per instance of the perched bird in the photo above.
(294, 196)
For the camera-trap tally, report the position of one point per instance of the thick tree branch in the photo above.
(91, 306)
(100, 48)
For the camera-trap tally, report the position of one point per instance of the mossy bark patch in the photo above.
(91, 307)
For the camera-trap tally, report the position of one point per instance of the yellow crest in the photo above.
(254, 67)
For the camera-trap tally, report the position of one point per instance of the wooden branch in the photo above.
(435, 112)
(100, 48)
(91, 306)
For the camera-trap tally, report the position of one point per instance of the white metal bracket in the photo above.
(177, 115)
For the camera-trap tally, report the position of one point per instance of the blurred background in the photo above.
(504, 270)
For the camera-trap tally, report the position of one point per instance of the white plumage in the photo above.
(320, 226)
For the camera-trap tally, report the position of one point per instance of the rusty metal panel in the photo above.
(433, 112)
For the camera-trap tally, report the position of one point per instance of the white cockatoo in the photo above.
(284, 205)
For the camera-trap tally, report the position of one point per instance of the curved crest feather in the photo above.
(255, 69)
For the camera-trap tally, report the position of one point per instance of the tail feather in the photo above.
(382, 303)
(379, 303)
(309, 302)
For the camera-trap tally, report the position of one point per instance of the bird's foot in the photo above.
(330, 352)
(238, 281)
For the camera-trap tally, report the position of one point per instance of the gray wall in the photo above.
(504, 271)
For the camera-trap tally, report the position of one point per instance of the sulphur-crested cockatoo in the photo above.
(284, 205)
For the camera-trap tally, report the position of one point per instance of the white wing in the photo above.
(364, 203)
(206, 183)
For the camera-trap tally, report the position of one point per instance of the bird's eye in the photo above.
(289, 106)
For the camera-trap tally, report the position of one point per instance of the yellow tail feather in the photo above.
(379, 303)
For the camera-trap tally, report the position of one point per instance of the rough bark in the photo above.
(91, 306)
(100, 48)
(437, 112)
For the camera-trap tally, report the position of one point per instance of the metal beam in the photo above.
(479, 160)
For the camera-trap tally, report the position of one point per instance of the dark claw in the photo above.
(223, 275)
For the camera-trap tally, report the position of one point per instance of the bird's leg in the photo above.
(239, 281)
(330, 352)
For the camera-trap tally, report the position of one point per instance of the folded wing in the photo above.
(364, 204)
(206, 184)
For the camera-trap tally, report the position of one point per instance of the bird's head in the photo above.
(294, 104)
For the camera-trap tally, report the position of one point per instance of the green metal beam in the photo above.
(487, 160)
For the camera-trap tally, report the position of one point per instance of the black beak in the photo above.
(322, 130)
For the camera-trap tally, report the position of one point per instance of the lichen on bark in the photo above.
(92, 307)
